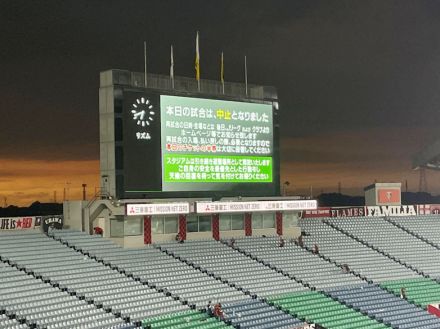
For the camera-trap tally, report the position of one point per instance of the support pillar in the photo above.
(182, 226)
(248, 224)
(215, 225)
(147, 230)
(279, 222)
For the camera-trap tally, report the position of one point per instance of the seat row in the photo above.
(41, 304)
(181, 280)
(392, 241)
(96, 283)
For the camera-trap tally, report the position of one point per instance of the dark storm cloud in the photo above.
(357, 148)
(349, 64)
(338, 65)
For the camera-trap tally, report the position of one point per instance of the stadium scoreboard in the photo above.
(182, 145)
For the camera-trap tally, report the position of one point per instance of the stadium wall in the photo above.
(130, 231)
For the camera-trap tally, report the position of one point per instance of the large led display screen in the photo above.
(172, 144)
(212, 144)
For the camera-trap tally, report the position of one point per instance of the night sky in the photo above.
(358, 82)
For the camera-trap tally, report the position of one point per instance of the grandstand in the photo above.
(70, 279)
(170, 204)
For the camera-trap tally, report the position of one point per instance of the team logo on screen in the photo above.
(143, 114)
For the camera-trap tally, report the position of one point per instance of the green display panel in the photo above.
(212, 144)
(210, 168)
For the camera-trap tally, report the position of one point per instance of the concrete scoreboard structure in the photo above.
(383, 194)
(179, 161)
(160, 142)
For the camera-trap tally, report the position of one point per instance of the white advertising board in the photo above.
(254, 206)
(145, 209)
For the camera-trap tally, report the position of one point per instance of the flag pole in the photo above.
(197, 64)
(245, 75)
(172, 68)
(145, 64)
(222, 74)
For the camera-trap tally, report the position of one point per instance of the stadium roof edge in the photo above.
(186, 84)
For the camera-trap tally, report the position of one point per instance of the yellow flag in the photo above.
(197, 66)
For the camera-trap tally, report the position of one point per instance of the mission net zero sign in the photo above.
(144, 209)
(254, 206)
(214, 142)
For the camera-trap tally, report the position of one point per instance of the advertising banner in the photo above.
(347, 212)
(388, 195)
(54, 222)
(334, 212)
(319, 212)
(143, 209)
(372, 211)
(428, 209)
(389, 211)
(254, 206)
(19, 223)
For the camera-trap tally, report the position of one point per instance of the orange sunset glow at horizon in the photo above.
(23, 182)
(319, 163)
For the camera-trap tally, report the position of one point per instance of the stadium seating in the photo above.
(232, 266)
(73, 280)
(187, 320)
(252, 258)
(424, 227)
(252, 313)
(393, 242)
(322, 274)
(420, 291)
(344, 250)
(387, 308)
(85, 278)
(297, 262)
(8, 323)
(319, 308)
(375, 267)
(38, 303)
(197, 288)
(151, 265)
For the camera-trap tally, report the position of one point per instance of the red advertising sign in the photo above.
(334, 212)
(388, 196)
(19, 223)
(428, 209)
(320, 212)
(348, 212)
(372, 211)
